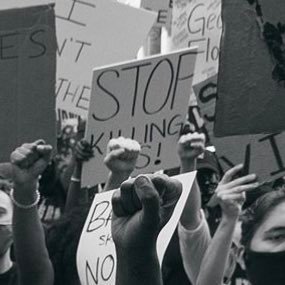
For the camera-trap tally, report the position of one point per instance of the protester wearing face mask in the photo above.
(218, 265)
(8, 270)
(263, 238)
(208, 177)
(141, 208)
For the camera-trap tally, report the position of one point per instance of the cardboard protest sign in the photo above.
(145, 100)
(27, 74)
(206, 93)
(262, 154)
(92, 33)
(251, 79)
(162, 9)
(198, 23)
(11, 4)
(96, 254)
(63, 115)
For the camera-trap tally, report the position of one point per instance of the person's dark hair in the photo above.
(255, 215)
(253, 195)
(5, 186)
(62, 241)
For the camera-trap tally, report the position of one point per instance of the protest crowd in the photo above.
(142, 162)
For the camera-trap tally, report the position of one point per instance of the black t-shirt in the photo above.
(173, 272)
(10, 277)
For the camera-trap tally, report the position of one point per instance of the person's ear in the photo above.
(241, 256)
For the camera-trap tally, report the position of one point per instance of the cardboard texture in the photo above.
(92, 34)
(198, 23)
(96, 254)
(27, 72)
(146, 100)
(265, 154)
(250, 100)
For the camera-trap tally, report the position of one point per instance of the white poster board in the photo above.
(162, 7)
(90, 34)
(198, 23)
(96, 254)
(146, 100)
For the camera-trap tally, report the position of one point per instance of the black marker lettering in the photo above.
(117, 104)
(42, 47)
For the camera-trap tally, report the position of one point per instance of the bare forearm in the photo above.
(75, 195)
(138, 270)
(188, 165)
(31, 253)
(191, 217)
(67, 174)
(216, 257)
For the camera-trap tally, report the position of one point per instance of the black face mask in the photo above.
(265, 268)
(6, 238)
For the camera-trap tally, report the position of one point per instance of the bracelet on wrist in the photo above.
(74, 179)
(23, 206)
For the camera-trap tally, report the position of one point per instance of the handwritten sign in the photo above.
(198, 23)
(27, 74)
(206, 93)
(145, 100)
(96, 254)
(162, 8)
(91, 33)
(262, 154)
(249, 72)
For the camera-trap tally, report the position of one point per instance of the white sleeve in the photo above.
(193, 246)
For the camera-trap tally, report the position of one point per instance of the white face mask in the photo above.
(6, 215)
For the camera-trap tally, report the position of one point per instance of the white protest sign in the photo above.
(162, 8)
(146, 100)
(96, 254)
(94, 33)
(166, 233)
(198, 23)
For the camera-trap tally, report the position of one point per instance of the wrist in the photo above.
(188, 164)
(26, 194)
(230, 218)
(120, 176)
(148, 272)
(26, 187)
(75, 162)
(136, 259)
(77, 171)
